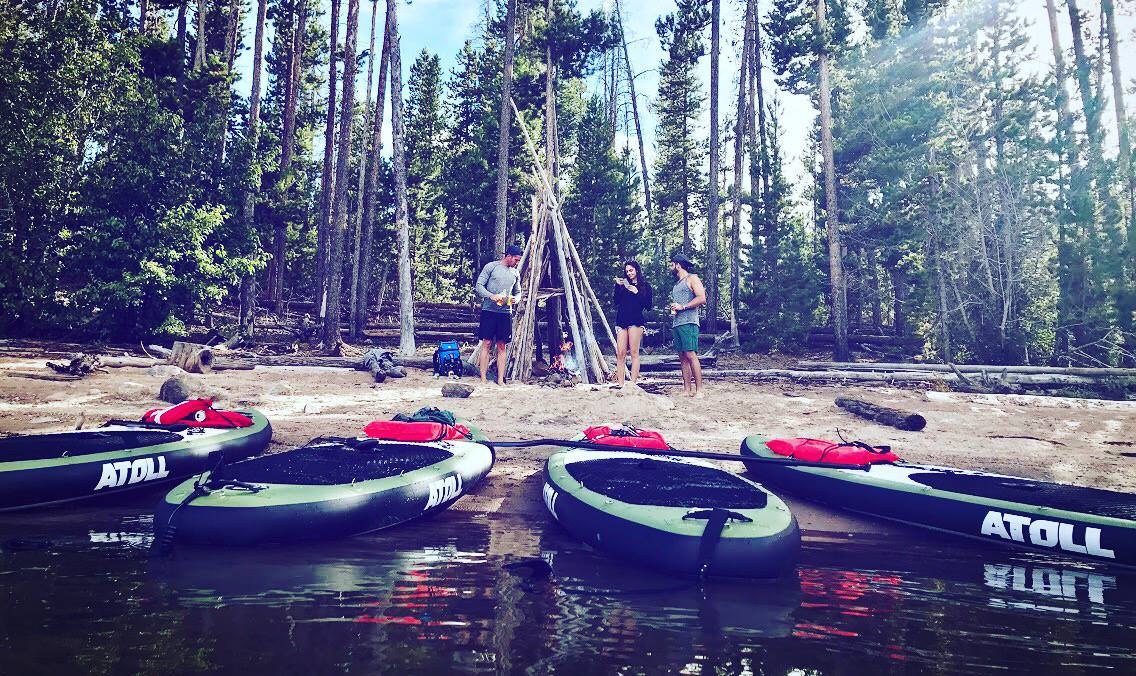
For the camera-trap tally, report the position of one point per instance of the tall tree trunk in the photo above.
(327, 178)
(183, 8)
(287, 150)
(199, 52)
(712, 217)
(645, 175)
(232, 39)
(232, 32)
(405, 293)
(758, 89)
(832, 224)
(331, 331)
(556, 272)
(1126, 305)
(143, 16)
(370, 187)
(1084, 78)
(505, 128)
(740, 128)
(1069, 154)
(1124, 155)
(248, 203)
(357, 215)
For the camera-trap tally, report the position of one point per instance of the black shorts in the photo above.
(495, 326)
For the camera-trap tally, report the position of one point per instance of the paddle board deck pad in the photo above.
(44, 469)
(676, 514)
(328, 489)
(1041, 515)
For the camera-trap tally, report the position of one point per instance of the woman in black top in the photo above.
(632, 295)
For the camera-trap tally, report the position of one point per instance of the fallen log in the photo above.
(79, 365)
(191, 357)
(908, 422)
(826, 340)
(650, 363)
(760, 375)
(970, 368)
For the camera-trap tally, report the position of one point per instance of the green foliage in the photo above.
(151, 277)
(680, 184)
(781, 287)
(602, 209)
(433, 246)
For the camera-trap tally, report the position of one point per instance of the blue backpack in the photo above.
(447, 359)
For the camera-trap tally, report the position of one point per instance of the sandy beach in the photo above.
(1079, 441)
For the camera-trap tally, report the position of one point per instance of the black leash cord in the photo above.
(670, 451)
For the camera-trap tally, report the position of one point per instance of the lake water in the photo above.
(453, 593)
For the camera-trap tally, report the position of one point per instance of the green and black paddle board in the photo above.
(44, 469)
(1042, 515)
(675, 514)
(329, 488)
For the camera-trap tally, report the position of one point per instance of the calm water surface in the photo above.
(82, 594)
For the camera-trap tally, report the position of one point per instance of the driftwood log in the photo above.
(80, 365)
(908, 422)
(970, 368)
(192, 357)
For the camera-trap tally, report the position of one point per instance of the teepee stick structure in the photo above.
(579, 296)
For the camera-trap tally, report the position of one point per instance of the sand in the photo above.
(1078, 441)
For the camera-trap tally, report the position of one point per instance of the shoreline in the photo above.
(1086, 442)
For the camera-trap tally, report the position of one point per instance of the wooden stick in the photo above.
(550, 196)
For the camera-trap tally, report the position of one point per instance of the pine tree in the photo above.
(433, 246)
(602, 205)
(680, 183)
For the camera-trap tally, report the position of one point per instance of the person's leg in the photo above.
(685, 366)
(483, 359)
(501, 346)
(635, 337)
(696, 371)
(620, 354)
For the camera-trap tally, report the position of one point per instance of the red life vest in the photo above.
(393, 430)
(818, 450)
(196, 413)
(626, 438)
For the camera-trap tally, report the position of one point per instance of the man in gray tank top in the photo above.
(687, 296)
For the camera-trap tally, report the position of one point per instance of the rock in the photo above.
(175, 390)
(180, 388)
(456, 390)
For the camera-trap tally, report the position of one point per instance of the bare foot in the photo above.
(698, 395)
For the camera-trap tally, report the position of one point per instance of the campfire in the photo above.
(562, 372)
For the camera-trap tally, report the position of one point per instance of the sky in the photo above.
(442, 27)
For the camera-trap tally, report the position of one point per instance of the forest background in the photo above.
(958, 173)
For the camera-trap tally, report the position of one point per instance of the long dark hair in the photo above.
(640, 281)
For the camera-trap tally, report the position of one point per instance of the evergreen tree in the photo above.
(601, 207)
(434, 251)
(680, 182)
(781, 287)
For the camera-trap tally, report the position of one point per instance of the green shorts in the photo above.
(685, 337)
